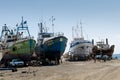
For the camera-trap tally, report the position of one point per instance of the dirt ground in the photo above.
(87, 70)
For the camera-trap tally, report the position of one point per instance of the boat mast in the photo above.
(52, 19)
(22, 27)
(5, 31)
(40, 25)
(81, 30)
(77, 31)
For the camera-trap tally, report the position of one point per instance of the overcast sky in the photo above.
(100, 18)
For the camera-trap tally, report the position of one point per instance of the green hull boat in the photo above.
(22, 49)
(15, 45)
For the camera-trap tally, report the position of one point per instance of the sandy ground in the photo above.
(88, 70)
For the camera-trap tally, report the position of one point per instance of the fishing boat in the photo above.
(80, 48)
(50, 46)
(103, 50)
(15, 45)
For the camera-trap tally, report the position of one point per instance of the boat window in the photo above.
(71, 45)
(77, 43)
(45, 35)
(82, 47)
(10, 40)
(9, 36)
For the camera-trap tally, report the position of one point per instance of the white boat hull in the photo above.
(81, 50)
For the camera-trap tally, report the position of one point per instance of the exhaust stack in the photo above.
(106, 41)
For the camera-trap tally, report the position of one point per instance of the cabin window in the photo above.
(11, 40)
(82, 47)
(77, 43)
(9, 36)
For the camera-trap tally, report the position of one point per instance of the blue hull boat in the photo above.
(50, 46)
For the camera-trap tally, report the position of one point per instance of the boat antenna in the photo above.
(81, 30)
(77, 30)
(52, 19)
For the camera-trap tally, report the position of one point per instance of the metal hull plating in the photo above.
(52, 48)
(20, 49)
(81, 49)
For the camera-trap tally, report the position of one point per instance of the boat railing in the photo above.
(25, 38)
(78, 38)
(59, 34)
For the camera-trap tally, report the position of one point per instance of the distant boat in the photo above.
(103, 50)
(50, 46)
(80, 48)
(15, 45)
